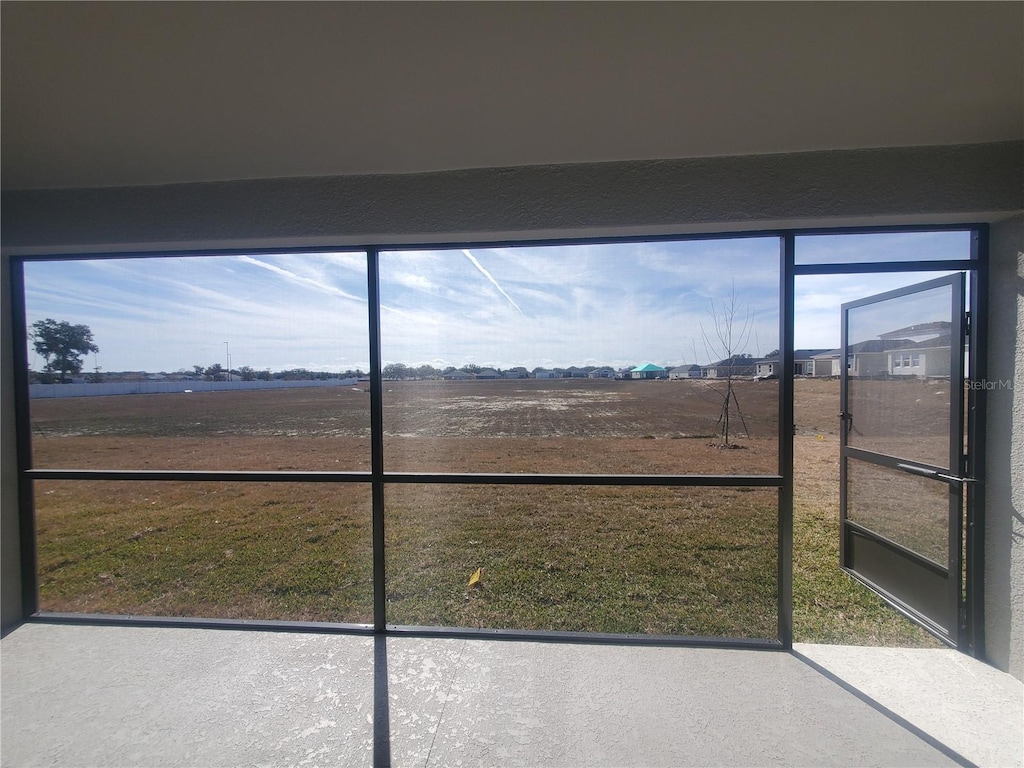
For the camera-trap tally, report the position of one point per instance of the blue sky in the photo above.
(619, 305)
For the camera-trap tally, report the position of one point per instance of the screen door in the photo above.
(902, 449)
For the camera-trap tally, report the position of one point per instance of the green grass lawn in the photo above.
(633, 560)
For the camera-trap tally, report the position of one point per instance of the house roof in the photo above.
(937, 343)
(741, 362)
(921, 329)
(798, 354)
(648, 368)
(868, 347)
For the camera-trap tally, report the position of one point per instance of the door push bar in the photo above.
(935, 474)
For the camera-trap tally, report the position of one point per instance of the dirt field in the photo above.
(569, 425)
(633, 560)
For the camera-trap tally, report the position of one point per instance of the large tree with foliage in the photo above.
(62, 345)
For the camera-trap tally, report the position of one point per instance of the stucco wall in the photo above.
(859, 187)
(704, 194)
(1004, 478)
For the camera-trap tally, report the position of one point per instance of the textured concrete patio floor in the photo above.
(117, 696)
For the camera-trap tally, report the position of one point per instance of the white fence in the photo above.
(161, 387)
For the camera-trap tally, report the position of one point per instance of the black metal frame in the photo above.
(378, 476)
(966, 539)
(921, 589)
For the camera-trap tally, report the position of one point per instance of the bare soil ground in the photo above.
(646, 560)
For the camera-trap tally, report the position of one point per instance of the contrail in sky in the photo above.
(306, 281)
(487, 274)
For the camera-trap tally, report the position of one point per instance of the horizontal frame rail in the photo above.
(401, 630)
(162, 475)
(953, 265)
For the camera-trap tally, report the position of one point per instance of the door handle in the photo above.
(847, 418)
(925, 472)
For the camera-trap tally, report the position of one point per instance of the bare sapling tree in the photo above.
(725, 340)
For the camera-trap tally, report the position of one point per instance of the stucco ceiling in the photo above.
(97, 94)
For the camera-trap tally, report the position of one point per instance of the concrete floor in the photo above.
(117, 696)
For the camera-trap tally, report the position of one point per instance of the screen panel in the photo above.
(262, 551)
(615, 358)
(662, 561)
(214, 362)
(899, 364)
(910, 510)
(882, 247)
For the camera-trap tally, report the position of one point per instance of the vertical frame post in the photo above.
(786, 430)
(976, 424)
(23, 421)
(376, 439)
(957, 373)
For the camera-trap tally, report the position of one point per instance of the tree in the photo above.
(427, 371)
(247, 373)
(725, 339)
(395, 371)
(62, 345)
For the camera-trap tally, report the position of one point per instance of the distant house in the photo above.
(922, 359)
(901, 352)
(730, 366)
(803, 363)
(865, 358)
(544, 373)
(648, 371)
(487, 373)
(685, 372)
(602, 373)
(826, 363)
(456, 376)
(516, 373)
(573, 372)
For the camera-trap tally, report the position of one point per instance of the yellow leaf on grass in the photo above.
(474, 580)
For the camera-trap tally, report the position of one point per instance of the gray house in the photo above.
(741, 367)
(685, 372)
(865, 358)
(803, 363)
